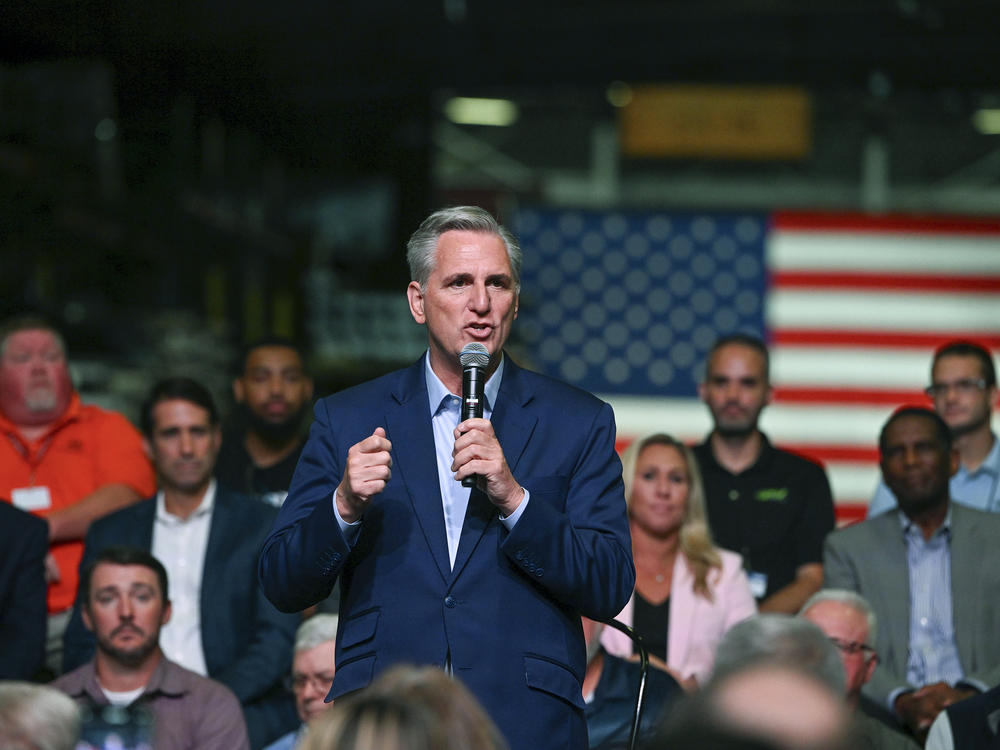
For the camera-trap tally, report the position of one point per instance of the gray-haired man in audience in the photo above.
(312, 674)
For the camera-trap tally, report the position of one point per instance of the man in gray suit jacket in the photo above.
(930, 570)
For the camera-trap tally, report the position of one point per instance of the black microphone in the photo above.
(475, 358)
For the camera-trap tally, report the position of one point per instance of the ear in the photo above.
(769, 395)
(954, 462)
(238, 394)
(147, 447)
(702, 391)
(85, 616)
(415, 296)
(309, 385)
(167, 612)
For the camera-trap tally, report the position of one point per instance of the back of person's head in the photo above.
(466, 725)
(37, 717)
(784, 640)
(367, 721)
(177, 389)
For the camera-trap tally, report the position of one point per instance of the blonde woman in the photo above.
(688, 592)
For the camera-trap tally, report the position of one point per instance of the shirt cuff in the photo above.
(349, 530)
(511, 521)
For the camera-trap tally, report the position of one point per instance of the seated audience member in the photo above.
(272, 393)
(312, 674)
(972, 724)
(378, 722)
(125, 604)
(964, 390)
(930, 570)
(851, 625)
(465, 723)
(23, 546)
(771, 506)
(688, 592)
(610, 688)
(60, 459)
(37, 717)
(208, 539)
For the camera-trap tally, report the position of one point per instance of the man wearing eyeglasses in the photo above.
(312, 675)
(849, 622)
(930, 570)
(964, 390)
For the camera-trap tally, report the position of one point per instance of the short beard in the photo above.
(969, 427)
(41, 400)
(276, 434)
(131, 658)
(730, 432)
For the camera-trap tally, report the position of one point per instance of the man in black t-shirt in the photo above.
(771, 506)
(273, 394)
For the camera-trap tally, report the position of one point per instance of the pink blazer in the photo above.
(696, 624)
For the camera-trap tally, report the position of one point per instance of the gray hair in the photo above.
(850, 599)
(782, 640)
(316, 630)
(37, 717)
(422, 246)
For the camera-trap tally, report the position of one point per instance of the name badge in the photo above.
(758, 584)
(31, 498)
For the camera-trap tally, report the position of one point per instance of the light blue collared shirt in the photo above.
(445, 412)
(979, 489)
(933, 655)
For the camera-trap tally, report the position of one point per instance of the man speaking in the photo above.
(487, 582)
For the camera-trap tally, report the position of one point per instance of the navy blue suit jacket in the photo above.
(24, 542)
(507, 617)
(247, 642)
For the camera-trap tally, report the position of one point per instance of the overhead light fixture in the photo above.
(987, 121)
(465, 110)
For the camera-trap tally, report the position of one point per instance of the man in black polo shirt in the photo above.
(771, 506)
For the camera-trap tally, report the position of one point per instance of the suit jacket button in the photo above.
(449, 601)
(539, 572)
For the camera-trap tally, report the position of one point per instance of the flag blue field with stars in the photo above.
(631, 302)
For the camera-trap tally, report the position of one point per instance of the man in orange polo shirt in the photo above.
(62, 460)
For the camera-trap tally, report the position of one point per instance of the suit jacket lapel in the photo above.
(889, 559)
(683, 604)
(414, 460)
(513, 427)
(966, 548)
(223, 529)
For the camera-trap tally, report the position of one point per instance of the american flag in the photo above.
(626, 305)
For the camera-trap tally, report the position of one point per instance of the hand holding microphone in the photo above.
(478, 457)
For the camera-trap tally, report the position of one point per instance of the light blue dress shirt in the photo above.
(933, 655)
(979, 489)
(445, 411)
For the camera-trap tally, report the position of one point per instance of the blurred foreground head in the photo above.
(778, 682)
(37, 717)
(407, 708)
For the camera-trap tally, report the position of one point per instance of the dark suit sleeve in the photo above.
(582, 555)
(267, 657)
(78, 642)
(23, 608)
(305, 552)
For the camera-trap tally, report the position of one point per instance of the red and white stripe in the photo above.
(856, 307)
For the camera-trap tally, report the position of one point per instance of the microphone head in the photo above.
(474, 355)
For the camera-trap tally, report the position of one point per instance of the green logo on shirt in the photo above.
(775, 495)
